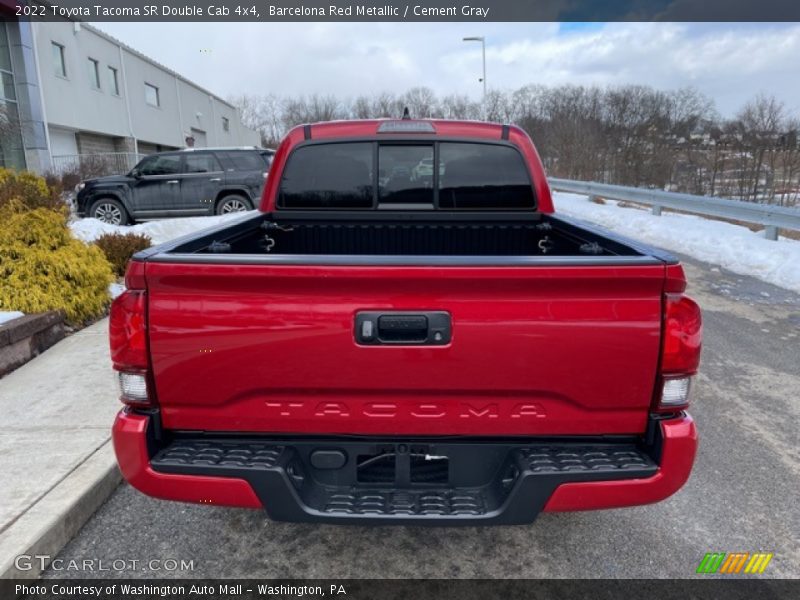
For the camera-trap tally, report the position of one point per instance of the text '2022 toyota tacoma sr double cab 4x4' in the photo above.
(406, 332)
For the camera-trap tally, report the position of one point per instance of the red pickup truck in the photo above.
(406, 332)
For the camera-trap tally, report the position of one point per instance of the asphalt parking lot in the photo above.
(742, 496)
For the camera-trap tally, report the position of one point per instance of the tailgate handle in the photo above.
(406, 328)
(376, 328)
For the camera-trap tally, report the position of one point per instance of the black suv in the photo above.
(183, 183)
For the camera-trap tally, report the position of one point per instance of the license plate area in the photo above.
(430, 469)
(403, 464)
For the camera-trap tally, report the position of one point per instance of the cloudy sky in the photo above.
(728, 62)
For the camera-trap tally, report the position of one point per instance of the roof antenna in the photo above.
(406, 116)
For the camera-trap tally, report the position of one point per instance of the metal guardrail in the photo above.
(771, 217)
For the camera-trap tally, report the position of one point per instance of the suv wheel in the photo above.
(109, 211)
(232, 204)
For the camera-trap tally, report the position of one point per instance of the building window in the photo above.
(151, 95)
(59, 65)
(7, 87)
(12, 152)
(5, 55)
(94, 74)
(113, 81)
(226, 124)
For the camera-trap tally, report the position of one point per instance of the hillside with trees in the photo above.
(630, 135)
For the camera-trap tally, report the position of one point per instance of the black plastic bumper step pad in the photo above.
(491, 482)
(555, 459)
(191, 453)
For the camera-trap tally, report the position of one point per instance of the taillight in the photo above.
(128, 338)
(127, 331)
(680, 351)
(683, 335)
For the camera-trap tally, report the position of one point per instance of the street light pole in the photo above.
(482, 40)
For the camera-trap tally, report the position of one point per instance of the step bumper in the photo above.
(409, 481)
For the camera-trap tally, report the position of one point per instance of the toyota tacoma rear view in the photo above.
(406, 332)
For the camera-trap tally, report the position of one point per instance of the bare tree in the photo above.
(362, 108)
(787, 164)
(312, 109)
(387, 105)
(759, 126)
(262, 113)
(421, 102)
(456, 106)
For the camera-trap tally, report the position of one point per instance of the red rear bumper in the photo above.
(679, 445)
(130, 445)
(677, 457)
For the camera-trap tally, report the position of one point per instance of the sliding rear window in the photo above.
(483, 176)
(328, 176)
(405, 176)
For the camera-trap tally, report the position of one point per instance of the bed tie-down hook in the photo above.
(272, 226)
(269, 242)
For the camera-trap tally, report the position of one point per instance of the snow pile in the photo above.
(159, 232)
(731, 246)
(9, 315)
(115, 289)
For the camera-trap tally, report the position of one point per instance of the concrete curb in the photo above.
(47, 526)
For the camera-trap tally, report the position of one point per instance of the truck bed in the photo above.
(399, 239)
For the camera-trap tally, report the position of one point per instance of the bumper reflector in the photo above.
(676, 391)
(133, 387)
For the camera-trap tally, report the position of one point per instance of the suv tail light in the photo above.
(128, 338)
(680, 351)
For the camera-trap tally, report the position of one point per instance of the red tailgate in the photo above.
(534, 350)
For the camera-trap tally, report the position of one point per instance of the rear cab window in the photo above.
(329, 176)
(446, 175)
(480, 176)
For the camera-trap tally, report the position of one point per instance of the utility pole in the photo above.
(482, 40)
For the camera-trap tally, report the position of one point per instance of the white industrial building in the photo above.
(77, 93)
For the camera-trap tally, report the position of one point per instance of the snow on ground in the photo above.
(731, 246)
(9, 315)
(115, 289)
(159, 232)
